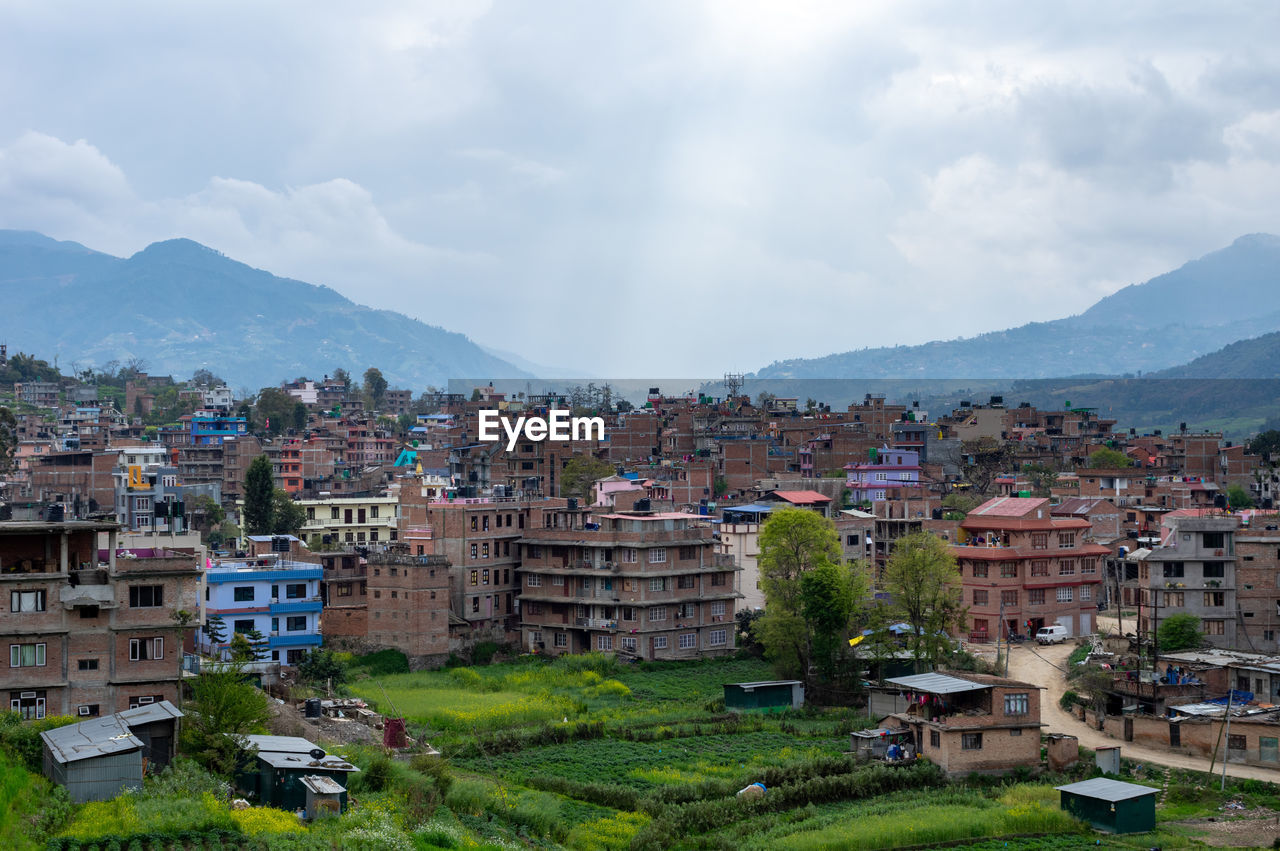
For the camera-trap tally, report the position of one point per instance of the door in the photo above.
(1128, 729)
(1267, 749)
(1175, 735)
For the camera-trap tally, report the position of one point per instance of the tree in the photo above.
(375, 386)
(299, 416)
(224, 708)
(8, 438)
(215, 629)
(1179, 632)
(204, 378)
(259, 490)
(720, 486)
(1238, 498)
(985, 458)
(924, 584)
(205, 513)
(581, 473)
(826, 602)
(321, 667)
(1266, 443)
(287, 517)
(246, 646)
(1042, 478)
(1106, 458)
(273, 410)
(793, 542)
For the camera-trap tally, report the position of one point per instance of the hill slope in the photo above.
(1225, 296)
(181, 306)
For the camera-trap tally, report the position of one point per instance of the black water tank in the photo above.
(312, 707)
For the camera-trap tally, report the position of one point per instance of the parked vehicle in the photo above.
(1055, 634)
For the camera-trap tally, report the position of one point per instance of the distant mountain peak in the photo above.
(180, 248)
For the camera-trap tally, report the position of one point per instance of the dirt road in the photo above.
(1042, 666)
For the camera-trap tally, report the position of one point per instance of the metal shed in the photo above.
(1111, 805)
(156, 725)
(769, 695)
(95, 760)
(324, 795)
(275, 777)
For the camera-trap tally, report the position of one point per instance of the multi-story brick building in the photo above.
(409, 606)
(1257, 565)
(1023, 568)
(89, 632)
(344, 595)
(648, 585)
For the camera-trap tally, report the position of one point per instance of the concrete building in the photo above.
(1023, 569)
(271, 595)
(1193, 571)
(885, 468)
(647, 585)
(148, 497)
(351, 521)
(739, 540)
(88, 631)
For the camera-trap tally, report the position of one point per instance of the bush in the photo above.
(266, 821)
(1069, 700)
(483, 653)
(435, 768)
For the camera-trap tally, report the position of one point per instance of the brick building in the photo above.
(89, 632)
(1021, 564)
(409, 606)
(648, 585)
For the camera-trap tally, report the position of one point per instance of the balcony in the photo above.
(596, 623)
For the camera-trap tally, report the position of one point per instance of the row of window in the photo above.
(1036, 596)
(481, 577)
(687, 640)
(480, 523)
(482, 550)
(246, 593)
(630, 613)
(1039, 567)
(33, 655)
(140, 597)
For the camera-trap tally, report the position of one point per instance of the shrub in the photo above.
(435, 768)
(1069, 700)
(266, 821)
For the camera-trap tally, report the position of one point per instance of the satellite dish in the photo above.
(316, 753)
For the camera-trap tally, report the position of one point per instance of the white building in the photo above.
(270, 594)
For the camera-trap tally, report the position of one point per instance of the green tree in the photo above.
(985, 459)
(321, 667)
(1179, 632)
(215, 629)
(223, 709)
(1042, 478)
(259, 491)
(924, 584)
(720, 486)
(1106, 458)
(205, 513)
(581, 473)
(8, 438)
(299, 416)
(827, 602)
(1238, 498)
(287, 517)
(1266, 443)
(375, 386)
(273, 410)
(793, 542)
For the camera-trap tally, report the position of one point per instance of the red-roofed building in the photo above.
(1023, 568)
(801, 499)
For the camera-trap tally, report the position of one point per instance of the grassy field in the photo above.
(586, 754)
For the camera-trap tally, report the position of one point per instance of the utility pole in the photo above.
(1227, 733)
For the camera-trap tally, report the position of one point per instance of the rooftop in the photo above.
(1107, 790)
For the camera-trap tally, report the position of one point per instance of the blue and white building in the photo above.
(277, 597)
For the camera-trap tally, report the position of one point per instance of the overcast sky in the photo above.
(656, 188)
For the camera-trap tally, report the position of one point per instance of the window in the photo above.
(26, 601)
(1215, 599)
(935, 739)
(657, 555)
(1234, 742)
(1039, 541)
(295, 591)
(533, 551)
(688, 640)
(533, 580)
(373, 512)
(1009, 598)
(628, 613)
(1215, 540)
(1214, 627)
(244, 627)
(1089, 565)
(242, 593)
(1067, 567)
(557, 580)
(1040, 567)
(1016, 732)
(475, 551)
(26, 655)
(90, 710)
(475, 523)
(561, 640)
(29, 704)
(717, 609)
(88, 664)
(686, 581)
(585, 584)
(295, 656)
(717, 579)
(484, 577)
(658, 613)
(1035, 596)
(979, 597)
(716, 638)
(1065, 595)
(1066, 540)
(1086, 593)
(659, 642)
(484, 550)
(145, 649)
(658, 583)
(475, 577)
(630, 556)
(533, 608)
(295, 623)
(604, 642)
(1214, 571)
(1173, 570)
(979, 570)
(628, 644)
(971, 741)
(1268, 748)
(475, 605)
(484, 524)
(687, 610)
(1016, 704)
(688, 553)
(1009, 570)
(344, 589)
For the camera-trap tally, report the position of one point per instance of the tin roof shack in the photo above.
(769, 696)
(867, 745)
(97, 759)
(324, 795)
(1111, 805)
(969, 723)
(275, 777)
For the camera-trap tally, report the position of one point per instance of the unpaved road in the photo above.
(1033, 663)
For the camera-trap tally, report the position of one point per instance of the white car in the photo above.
(1055, 634)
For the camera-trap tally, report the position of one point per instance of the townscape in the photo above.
(1060, 624)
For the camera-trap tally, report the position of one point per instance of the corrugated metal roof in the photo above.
(322, 785)
(276, 759)
(1107, 790)
(935, 683)
(767, 683)
(151, 713)
(96, 737)
(283, 744)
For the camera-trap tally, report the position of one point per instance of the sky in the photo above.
(679, 188)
